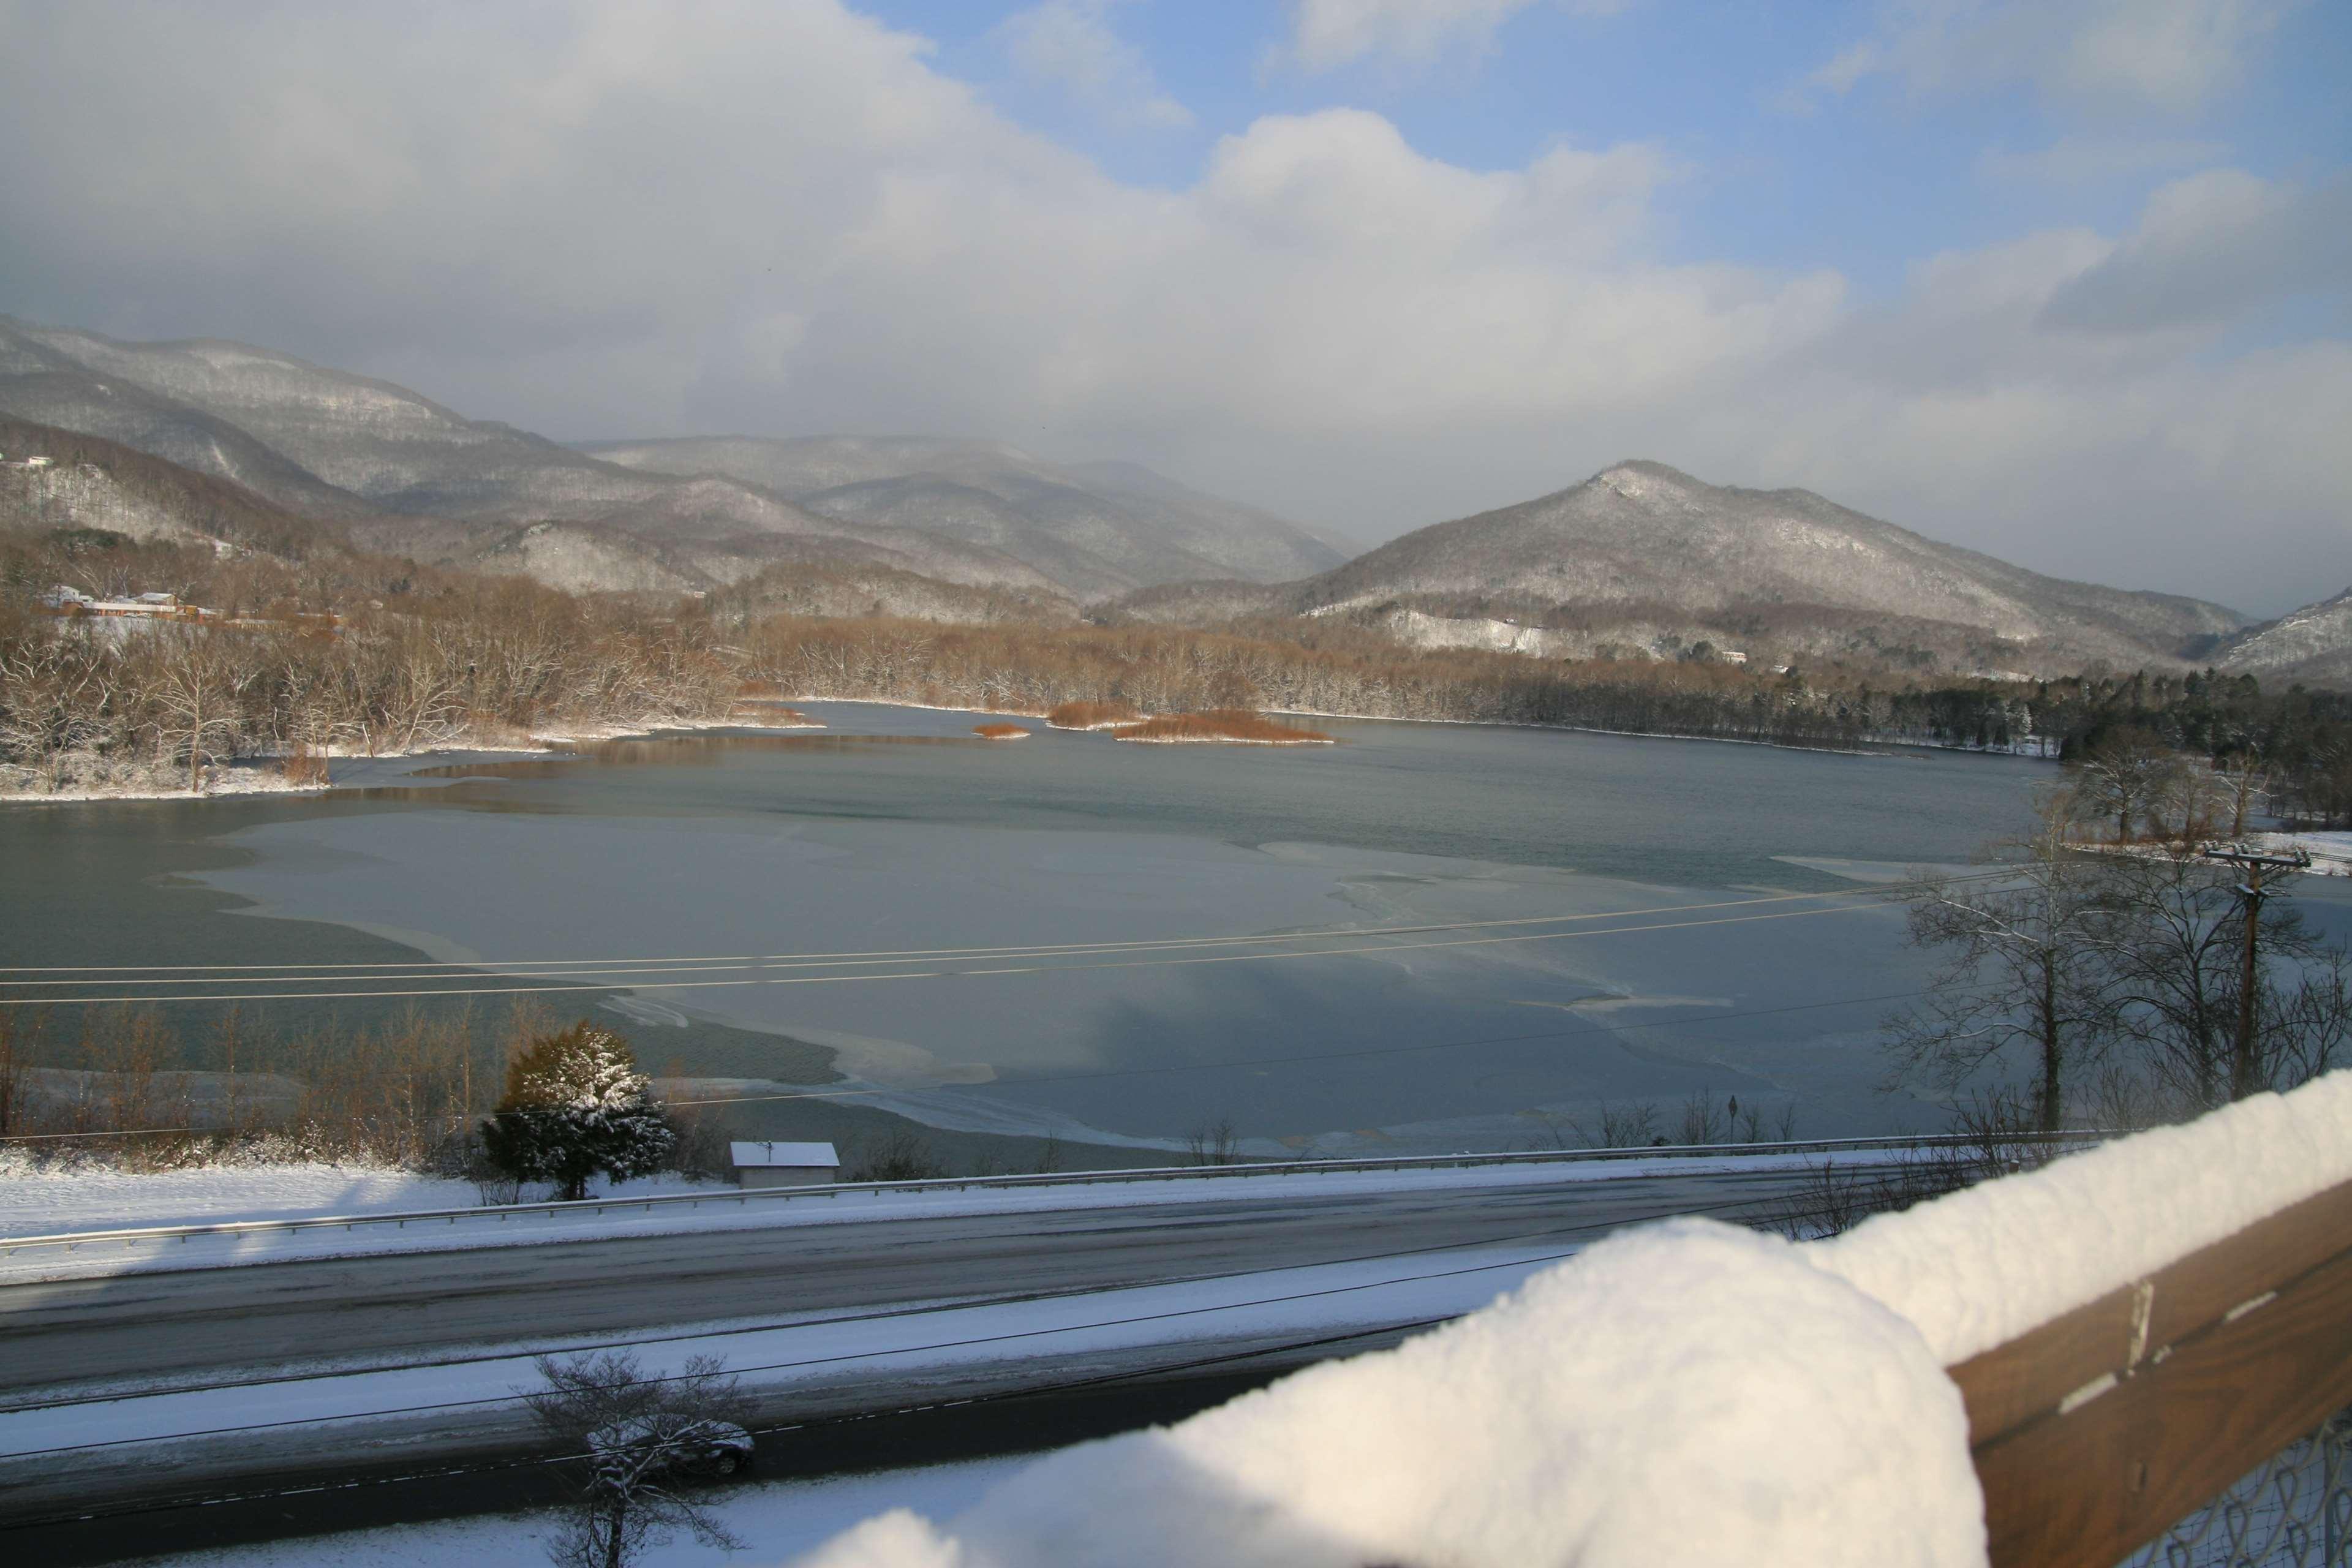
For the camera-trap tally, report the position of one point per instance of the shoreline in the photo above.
(242, 780)
(551, 743)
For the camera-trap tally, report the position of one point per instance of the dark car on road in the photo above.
(654, 1447)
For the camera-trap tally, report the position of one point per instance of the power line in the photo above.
(730, 961)
(918, 974)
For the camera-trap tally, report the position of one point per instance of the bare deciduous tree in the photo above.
(2022, 967)
(630, 1434)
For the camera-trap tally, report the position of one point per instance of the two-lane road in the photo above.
(165, 1328)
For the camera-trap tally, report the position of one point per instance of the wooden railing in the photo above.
(2097, 1432)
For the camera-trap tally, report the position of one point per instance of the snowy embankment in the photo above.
(264, 775)
(91, 1201)
(1638, 1404)
(2331, 853)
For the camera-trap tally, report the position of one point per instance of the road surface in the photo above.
(169, 1329)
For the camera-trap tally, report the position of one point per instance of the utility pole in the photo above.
(2244, 1076)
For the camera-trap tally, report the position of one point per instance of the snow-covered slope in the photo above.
(1099, 529)
(327, 443)
(2313, 645)
(90, 482)
(1643, 542)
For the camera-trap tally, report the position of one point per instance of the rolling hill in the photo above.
(1644, 557)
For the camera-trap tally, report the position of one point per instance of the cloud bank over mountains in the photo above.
(784, 218)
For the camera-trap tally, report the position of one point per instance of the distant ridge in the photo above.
(1643, 558)
(1099, 529)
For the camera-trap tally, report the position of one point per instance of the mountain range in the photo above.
(409, 476)
(216, 439)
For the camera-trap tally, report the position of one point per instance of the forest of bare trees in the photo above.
(332, 651)
(2110, 966)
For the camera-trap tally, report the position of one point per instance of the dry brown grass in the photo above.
(1000, 732)
(301, 766)
(1235, 724)
(1093, 716)
(760, 712)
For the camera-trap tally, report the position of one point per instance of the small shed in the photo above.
(772, 1164)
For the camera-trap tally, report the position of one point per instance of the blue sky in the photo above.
(1772, 172)
(2069, 282)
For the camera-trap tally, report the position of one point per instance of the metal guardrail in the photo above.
(71, 1240)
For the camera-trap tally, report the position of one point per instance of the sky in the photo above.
(2068, 281)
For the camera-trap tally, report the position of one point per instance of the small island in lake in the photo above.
(1228, 726)
(1001, 732)
(1094, 716)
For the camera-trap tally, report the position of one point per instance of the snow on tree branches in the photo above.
(576, 1104)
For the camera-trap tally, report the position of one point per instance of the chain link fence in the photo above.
(2295, 1512)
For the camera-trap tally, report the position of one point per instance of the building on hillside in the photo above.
(65, 599)
(1733, 656)
(771, 1164)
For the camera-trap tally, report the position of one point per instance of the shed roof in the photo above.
(765, 1153)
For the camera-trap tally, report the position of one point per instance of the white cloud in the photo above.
(2212, 247)
(2090, 160)
(605, 220)
(1070, 44)
(1325, 34)
(2171, 55)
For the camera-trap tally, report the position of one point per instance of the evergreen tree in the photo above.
(576, 1104)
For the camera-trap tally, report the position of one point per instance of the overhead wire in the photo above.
(1157, 962)
(394, 970)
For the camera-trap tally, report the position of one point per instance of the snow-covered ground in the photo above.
(54, 1203)
(262, 776)
(780, 1518)
(2331, 853)
(77, 1196)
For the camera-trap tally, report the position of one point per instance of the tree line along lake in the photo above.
(1082, 937)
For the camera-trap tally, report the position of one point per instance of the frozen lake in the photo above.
(896, 832)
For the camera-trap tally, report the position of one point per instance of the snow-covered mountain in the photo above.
(2312, 645)
(53, 478)
(1100, 529)
(1642, 556)
(418, 478)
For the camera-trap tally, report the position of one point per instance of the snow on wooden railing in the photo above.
(2097, 1432)
(2047, 1369)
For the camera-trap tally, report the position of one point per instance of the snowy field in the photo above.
(37, 1200)
(781, 1518)
(2331, 853)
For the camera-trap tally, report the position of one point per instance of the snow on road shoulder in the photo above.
(45, 1198)
(50, 1205)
